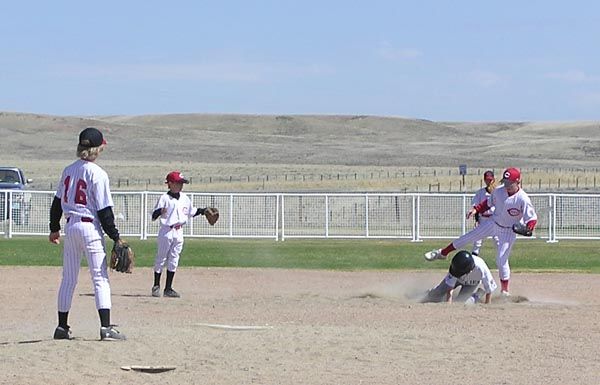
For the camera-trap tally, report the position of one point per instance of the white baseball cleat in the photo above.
(111, 334)
(434, 254)
(504, 293)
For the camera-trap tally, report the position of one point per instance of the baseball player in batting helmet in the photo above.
(471, 275)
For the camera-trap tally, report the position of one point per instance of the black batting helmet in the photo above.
(462, 263)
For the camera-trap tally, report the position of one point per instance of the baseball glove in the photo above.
(522, 229)
(212, 215)
(122, 257)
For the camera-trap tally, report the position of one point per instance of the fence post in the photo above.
(282, 206)
(416, 204)
(143, 216)
(326, 216)
(367, 215)
(231, 215)
(552, 219)
(464, 218)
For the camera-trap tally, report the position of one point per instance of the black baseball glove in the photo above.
(122, 257)
(522, 229)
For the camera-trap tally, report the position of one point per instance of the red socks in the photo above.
(446, 250)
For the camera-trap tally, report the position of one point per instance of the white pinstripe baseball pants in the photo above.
(170, 245)
(503, 237)
(84, 238)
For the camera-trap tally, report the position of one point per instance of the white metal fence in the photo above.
(280, 216)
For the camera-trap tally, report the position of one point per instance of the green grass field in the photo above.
(527, 255)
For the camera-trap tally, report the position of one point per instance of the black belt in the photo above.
(82, 219)
(176, 227)
(504, 227)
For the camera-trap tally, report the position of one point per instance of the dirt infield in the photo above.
(269, 326)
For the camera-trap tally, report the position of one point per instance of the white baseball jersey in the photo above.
(480, 274)
(178, 210)
(511, 209)
(84, 190)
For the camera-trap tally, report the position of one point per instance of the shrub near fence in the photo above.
(279, 216)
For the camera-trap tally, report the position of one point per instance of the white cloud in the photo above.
(573, 76)
(589, 99)
(236, 72)
(161, 72)
(486, 78)
(221, 72)
(389, 52)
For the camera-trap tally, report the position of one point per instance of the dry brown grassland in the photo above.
(308, 153)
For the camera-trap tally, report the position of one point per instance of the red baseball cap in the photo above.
(488, 175)
(511, 174)
(176, 177)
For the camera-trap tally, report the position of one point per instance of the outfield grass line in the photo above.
(322, 254)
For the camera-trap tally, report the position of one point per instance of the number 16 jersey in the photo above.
(84, 189)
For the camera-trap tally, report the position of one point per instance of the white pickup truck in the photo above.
(15, 204)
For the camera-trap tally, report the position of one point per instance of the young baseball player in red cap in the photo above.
(174, 208)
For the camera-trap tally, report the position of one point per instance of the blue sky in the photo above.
(439, 60)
